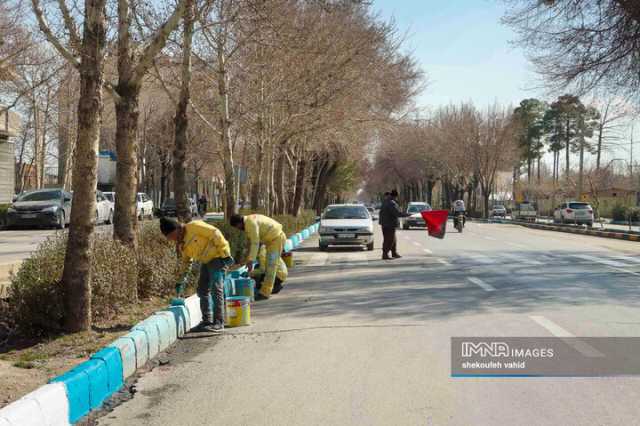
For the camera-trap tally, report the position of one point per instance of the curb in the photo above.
(68, 398)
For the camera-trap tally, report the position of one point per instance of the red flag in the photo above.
(436, 222)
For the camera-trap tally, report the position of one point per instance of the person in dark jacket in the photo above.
(390, 215)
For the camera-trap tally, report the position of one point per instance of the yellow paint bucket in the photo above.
(238, 311)
(288, 259)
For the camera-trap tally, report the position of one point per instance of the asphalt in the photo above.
(354, 340)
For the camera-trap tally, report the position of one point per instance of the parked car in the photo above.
(576, 212)
(193, 207)
(111, 196)
(525, 211)
(213, 217)
(374, 214)
(168, 208)
(44, 207)
(144, 206)
(104, 209)
(346, 225)
(415, 219)
(499, 211)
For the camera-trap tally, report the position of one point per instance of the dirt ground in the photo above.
(27, 364)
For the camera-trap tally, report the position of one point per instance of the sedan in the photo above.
(346, 225)
(44, 207)
(499, 211)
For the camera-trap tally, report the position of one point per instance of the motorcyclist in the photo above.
(458, 208)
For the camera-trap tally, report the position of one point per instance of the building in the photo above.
(9, 126)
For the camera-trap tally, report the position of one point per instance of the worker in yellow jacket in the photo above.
(261, 229)
(200, 242)
(281, 271)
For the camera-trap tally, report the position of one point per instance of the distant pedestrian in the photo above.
(203, 205)
(390, 215)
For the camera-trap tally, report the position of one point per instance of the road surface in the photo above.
(354, 340)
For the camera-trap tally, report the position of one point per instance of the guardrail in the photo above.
(68, 398)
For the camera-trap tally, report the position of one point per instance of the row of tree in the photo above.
(274, 100)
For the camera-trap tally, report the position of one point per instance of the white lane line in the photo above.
(481, 284)
(484, 259)
(577, 344)
(628, 259)
(427, 251)
(318, 259)
(444, 262)
(490, 238)
(417, 244)
(601, 260)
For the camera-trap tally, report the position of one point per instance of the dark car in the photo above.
(41, 208)
(168, 208)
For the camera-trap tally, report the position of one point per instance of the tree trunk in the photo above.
(300, 187)
(225, 135)
(182, 122)
(581, 171)
(599, 153)
(125, 221)
(76, 276)
(257, 177)
(568, 146)
(278, 183)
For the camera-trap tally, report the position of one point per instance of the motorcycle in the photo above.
(458, 221)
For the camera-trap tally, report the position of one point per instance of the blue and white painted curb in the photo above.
(71, 396)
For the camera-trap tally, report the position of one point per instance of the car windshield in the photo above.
(498, 207)
(108, 197)
(579, 206)
(169, 203)
(41, 196)
(346, 212)
(417, 208)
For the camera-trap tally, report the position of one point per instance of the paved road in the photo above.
(354, 340)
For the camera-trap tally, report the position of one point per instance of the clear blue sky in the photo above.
(464, 49)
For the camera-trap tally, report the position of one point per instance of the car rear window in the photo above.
(417, 208)
(579, 206)
(346, 212)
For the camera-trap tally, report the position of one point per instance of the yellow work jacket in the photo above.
(260, 229)
(202, 243)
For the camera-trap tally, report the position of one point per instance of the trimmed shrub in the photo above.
(619, 213)
(157, 263)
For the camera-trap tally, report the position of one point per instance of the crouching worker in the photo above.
(258, 273)
(261, 229)
(200, 242)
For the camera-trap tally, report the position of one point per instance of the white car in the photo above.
(576, 212)
(144, 206)
(104, 209)
(346, 225)
(499, 211)
(111, 196)
(414, 209)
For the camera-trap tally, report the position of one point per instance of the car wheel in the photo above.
(141, 215)
(323, 247)
(590, 224)
(110, 218)
(61, 220)
(370, 246)
(405, 227)
(562, 220)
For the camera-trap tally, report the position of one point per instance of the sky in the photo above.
(464, 50)
(466, 53)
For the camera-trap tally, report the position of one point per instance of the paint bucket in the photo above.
(238, 311)
(235, 274)
(288, 259)
(229, 287)
(245, 287)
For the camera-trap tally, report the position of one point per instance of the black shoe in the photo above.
(218, 327)
(396, 256)
(204, 327)
(276, 288)
(387, 258)
(260, 297)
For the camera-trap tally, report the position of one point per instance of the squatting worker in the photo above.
(282, 273)
(261, 229)
(200, 242)
(390, 215)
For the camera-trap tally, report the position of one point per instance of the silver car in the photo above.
(346, 225)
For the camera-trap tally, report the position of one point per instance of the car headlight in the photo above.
(51, 209)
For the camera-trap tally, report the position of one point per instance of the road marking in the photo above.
(427, 251)
(490, 238)
(481, 284)
(624, 270)
(444, 262)
(601, 260)
(417, 244)
(318, 259)
(484, 259)
(577, 344)
(628, 259)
